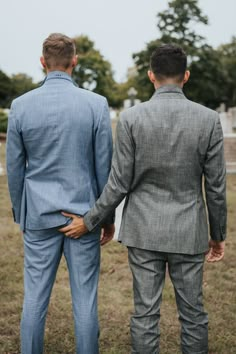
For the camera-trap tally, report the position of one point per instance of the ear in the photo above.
(42, 61)
(74, 61)
(186, 76)
(151, 76)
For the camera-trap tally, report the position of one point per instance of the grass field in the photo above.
(115, 294)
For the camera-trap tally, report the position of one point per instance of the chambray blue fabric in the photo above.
(43, 251)
(59, 149)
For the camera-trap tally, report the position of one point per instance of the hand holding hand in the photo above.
(76, 229)
(107, 234)
(216, 251)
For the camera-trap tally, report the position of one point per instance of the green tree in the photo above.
(3, 121)
(6, 90)
(12, 87)
(176, 25)
(142, 84)
(123, 87)
(227, 54)
(93, 72)
(207, 74)
(21, 83)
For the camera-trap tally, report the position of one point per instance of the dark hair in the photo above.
(168, 61)
(58, 50)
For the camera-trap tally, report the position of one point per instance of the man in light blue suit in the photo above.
(59, 149)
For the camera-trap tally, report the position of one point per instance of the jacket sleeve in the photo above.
(120, 178)
(103, 147)
(15, 163)
(215, 183)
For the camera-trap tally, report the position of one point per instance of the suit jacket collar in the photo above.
(168, 91)
(58, 75)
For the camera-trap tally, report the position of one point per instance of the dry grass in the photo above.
(115, 295)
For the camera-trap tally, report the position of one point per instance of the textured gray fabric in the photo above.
(186, 273)
(163, 149)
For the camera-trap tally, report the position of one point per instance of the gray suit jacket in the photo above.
(163, 149)
(59, 150)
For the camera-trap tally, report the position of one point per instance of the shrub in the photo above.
(3, 122)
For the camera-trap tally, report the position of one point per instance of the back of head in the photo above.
(58, 51)
(168, 62)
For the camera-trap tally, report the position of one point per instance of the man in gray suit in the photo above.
(164, 148)
(59, 149)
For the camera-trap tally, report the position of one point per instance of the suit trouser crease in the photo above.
(43, 250)
(186, 272)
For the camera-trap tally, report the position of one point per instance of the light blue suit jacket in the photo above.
(59, 149)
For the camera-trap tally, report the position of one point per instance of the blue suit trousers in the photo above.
(43, 251)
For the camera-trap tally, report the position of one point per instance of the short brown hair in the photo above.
(58, 50)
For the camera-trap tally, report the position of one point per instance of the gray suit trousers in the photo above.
(186, 272)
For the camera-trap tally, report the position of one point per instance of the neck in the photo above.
(67, 71)
(158, 84)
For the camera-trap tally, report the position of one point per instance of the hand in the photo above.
(107, 234)
(76, 229)
(216, 251)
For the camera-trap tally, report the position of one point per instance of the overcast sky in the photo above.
(118, 28)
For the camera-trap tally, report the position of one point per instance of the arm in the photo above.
(16, 163)
(215, 184)
(120, 178)
(103, 145)
(117, 187)
(215, 189)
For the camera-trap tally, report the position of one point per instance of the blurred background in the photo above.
(114, 41)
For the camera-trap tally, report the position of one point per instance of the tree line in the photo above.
(213, 70)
